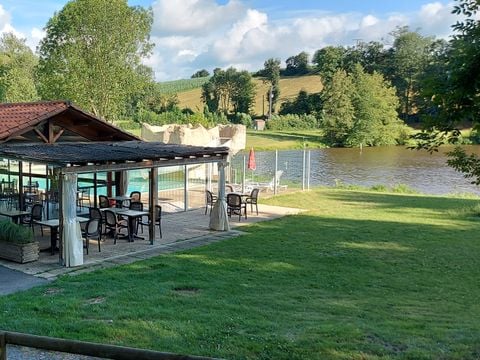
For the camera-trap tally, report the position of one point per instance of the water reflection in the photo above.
(420, 170)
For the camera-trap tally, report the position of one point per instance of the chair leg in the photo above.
(256, 205)
(99, 244)
(86, 243)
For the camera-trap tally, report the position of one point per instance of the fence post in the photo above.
(243, 175)
(308, 169)
(303, 170)
(185, 189)
(275, 180)
(3, 346)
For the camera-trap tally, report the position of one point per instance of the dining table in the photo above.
(120, 199)
(15, 215)
(132, 216)
(54, 224)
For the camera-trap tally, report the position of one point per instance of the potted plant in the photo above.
(17, 243)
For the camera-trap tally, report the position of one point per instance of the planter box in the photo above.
(21, 253)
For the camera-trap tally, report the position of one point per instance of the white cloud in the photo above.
(195, 34)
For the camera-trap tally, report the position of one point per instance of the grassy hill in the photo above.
(289, 88)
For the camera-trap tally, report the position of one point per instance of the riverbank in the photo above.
(360, 275)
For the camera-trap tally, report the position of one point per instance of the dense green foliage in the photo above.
(297, 65)
(229, 91)
(360, 275)
(292, 121)
(304, 103)
(17, 70)
(13, 233)
(200, 74)
(176, 116)
(92, 54)
(271, 74)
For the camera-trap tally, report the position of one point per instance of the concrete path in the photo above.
(12, 281)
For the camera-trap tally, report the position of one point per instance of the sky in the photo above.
(190, 35)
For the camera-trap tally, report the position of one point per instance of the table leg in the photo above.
(53, 239)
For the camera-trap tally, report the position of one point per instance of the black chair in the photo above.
(209, 201)
(92, 231)
(235, 206)
(113, 224)
(95, 213)
(104, 201)
(136, 196)
(158, 218)
(253, 199)
(137, 206)
(35, 215)
(229, 188)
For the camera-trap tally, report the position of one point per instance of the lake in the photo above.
(393, 165)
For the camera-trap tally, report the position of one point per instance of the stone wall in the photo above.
(233, 136)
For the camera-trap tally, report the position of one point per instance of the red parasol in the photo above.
(251, 165)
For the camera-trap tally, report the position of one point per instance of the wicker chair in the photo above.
(209, 200)
(235, 206)
(253, 199)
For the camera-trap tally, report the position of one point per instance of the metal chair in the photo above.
(209, 201)
(95, 213)
(114, 224)
(235, 206)
(104, 201)
(137, 206)
(253, 199)
(36, 214)
(92, 231)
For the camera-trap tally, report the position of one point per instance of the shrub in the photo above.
(244, 119)
(292, 121)
(13, 233)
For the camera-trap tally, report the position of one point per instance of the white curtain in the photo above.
(219, 216)
(72, 235)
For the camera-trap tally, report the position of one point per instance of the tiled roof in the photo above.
(17, 116)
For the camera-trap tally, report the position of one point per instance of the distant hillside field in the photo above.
(289, 88)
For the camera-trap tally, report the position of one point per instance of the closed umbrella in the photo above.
(251, 165)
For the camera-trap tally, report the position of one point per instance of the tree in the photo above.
(410, 55)
(17, 70)
(338, 111)
(328, 60)
(271, 73)
(92, 55)
(304, 103)
(298, 64)
(200, 74)
(376, 118)
(453, 92)
(229, 91)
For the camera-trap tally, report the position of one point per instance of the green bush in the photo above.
(13, 233)
(177, 116)
(243, 119)
(292, 121)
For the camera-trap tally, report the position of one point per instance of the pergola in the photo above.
(68, 139)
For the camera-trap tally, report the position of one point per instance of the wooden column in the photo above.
(152, 201)
(20, 186)
(60, 220)
(95, 197)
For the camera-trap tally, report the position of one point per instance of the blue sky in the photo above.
(195, 34)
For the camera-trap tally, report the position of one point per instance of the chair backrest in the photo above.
(234, 200)
(254, 194)
(209, 195)
(94, 213)
(228, 188)
(278, 175)
(135, 196)
(104, 202)
(110, 218)
(93, 227)
(136, 205)
(37, 211)
(158, 213)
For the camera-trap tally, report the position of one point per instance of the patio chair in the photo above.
(113, 224)
(270, 186)
(209, 201)
(36, 214)
(92, 231)
(95, 213)
(229, 188)
(235, 206)
(253, 199)
(104, 201)
(138, 206)
(157, 220)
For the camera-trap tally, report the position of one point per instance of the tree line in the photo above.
(93, 50)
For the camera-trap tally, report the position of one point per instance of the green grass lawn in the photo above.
(360, 275)
(284, 140)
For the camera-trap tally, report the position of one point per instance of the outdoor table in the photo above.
(15, 215)
(132, 215)
(54, 224)
(120, 199)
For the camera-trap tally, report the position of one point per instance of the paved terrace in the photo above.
(181, 231)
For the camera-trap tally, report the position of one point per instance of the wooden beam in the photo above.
(57, 135)
(143, 165)
(39, 133)
(152, 201)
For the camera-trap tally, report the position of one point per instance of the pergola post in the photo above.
(69, 230)
(152, 201)
(219, 216)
